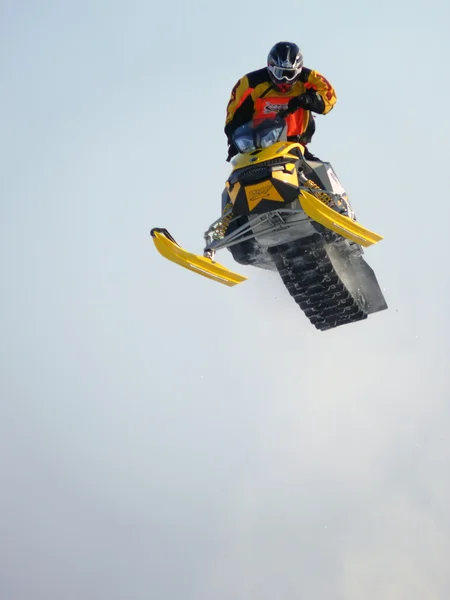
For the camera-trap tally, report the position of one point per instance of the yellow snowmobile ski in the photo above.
(168, 247)
(323, 214)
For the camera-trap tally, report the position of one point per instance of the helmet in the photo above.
(285, 63)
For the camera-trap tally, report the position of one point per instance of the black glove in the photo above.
(303, 101)
(307, 101)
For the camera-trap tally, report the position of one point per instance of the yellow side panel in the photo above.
(168, 248)
(261, 191)
(320, 212)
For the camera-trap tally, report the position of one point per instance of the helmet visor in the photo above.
(284, 75)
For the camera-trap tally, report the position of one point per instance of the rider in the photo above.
(285, 82)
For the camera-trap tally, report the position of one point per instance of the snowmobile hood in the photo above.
(260, 155)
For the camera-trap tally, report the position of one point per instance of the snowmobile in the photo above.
(288, 213)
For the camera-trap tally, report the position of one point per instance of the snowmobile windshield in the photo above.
(260, 133)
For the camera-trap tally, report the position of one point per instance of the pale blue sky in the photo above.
(165, 437)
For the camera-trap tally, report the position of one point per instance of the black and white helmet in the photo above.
(285, 63)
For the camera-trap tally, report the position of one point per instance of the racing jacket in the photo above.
(255, 97)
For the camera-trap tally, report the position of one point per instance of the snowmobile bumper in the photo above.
(167, 247)
(329, 218)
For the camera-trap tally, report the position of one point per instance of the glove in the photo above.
(303, 101)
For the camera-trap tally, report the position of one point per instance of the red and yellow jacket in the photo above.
(254, 96)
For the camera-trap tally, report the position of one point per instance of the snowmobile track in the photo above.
(310, 278)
